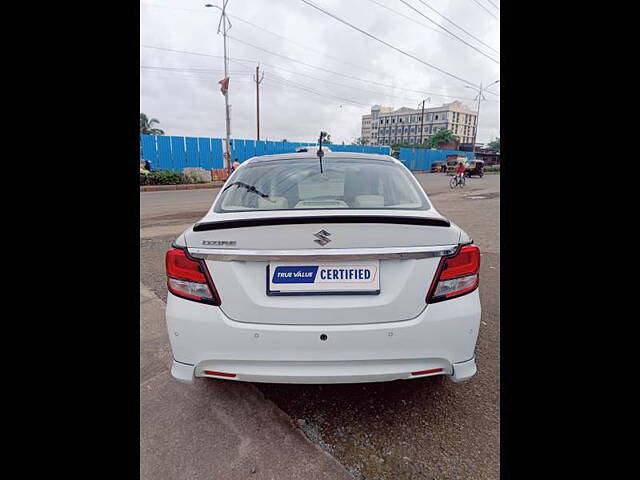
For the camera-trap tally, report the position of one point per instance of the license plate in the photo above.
(353, 278)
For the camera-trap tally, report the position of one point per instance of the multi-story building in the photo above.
(384, 126)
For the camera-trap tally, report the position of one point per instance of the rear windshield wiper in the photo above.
(250, 188)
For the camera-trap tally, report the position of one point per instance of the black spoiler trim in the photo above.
(260, 222)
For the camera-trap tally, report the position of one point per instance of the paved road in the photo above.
(429, 428)
(213, 430)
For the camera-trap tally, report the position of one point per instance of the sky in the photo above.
(319, 74)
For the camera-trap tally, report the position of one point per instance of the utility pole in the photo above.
(258, 80)
(428, 99)
(479, 97)
(224, 21)
(475, 129)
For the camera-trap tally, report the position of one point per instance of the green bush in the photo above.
(165, 177)
(173, 177)
(492, 168)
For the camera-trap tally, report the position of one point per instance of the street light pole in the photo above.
(223, 21)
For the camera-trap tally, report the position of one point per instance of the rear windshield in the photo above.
(343, 183)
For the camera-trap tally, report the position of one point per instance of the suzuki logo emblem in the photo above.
(322, 237)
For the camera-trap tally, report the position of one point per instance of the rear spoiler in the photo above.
(261, 222)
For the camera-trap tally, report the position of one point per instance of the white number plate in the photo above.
(310, 278)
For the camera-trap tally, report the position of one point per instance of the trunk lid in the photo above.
(240, 249)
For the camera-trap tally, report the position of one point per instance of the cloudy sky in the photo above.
(319, 74)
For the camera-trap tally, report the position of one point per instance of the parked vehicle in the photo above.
(343, 273)
(475, 168)
(312, 148)
(438, 167)
(145, 170)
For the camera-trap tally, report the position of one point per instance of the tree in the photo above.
(396, 146)
(442, 136)
(146, 125)
(360, 141)
(326, 138)
(494, 144)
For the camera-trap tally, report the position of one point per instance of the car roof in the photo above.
(313, 154)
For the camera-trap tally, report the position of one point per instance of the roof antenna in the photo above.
(320, 151)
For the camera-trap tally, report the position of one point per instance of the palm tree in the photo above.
(146, 126)
(326, 138)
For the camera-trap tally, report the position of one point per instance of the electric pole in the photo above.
(224, 21)
(258, 80)
(480, 97)
(475, 129)
(428, 99)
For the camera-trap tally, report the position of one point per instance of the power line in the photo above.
(310, 90)
(342, 84)
(334, 72)
(179, 51)
(412, 19)
(306, 47)
(201, 77)
(448, 31)
(194, 70)
(458, 26)
(387, 44)
(497, 7)
(252, 61)
(203, 71)
(485, 9)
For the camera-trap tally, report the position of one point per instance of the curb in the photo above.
(194, 186)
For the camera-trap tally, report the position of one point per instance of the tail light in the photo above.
(188, 277)
(456, 275)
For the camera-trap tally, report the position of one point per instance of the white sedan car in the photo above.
(338, 271)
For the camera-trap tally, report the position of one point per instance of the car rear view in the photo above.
(323, 270)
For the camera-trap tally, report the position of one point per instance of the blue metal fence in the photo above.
(419, 159)
(176, 153)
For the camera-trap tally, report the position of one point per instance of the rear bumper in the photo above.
(441, 338)
(321, 372)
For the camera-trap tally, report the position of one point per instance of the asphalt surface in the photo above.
(429, 428)
(216, 429)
